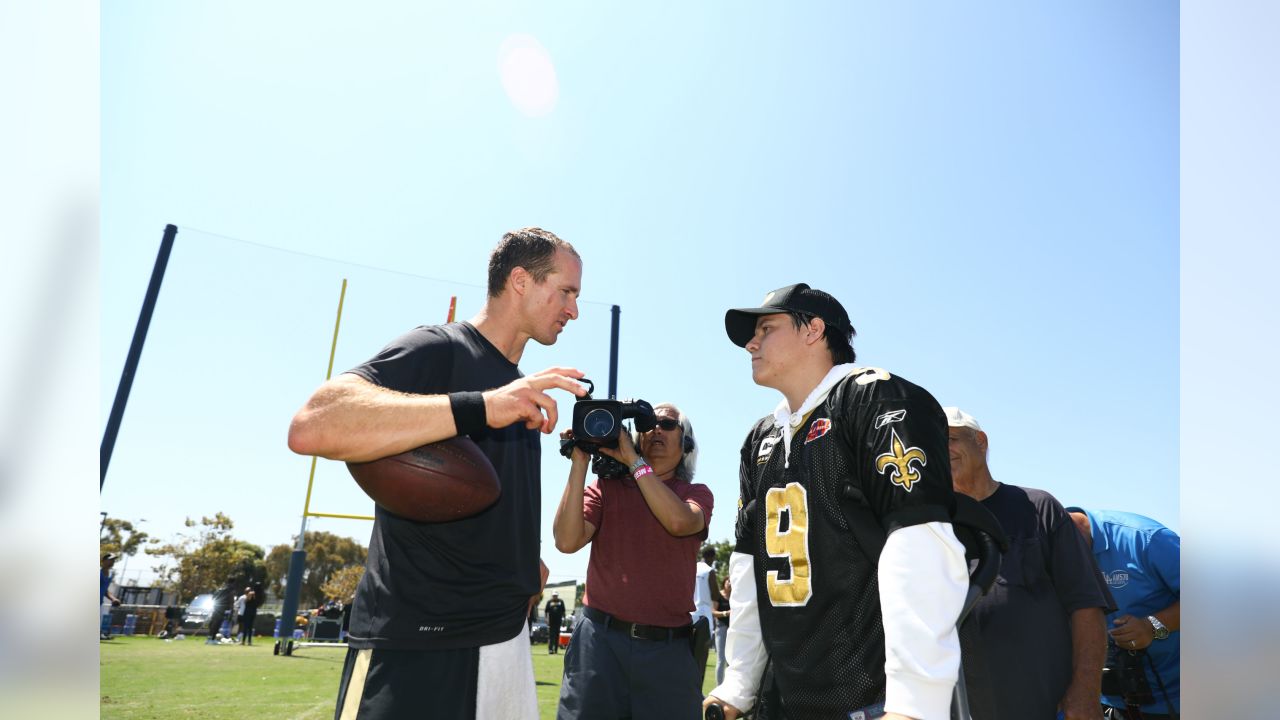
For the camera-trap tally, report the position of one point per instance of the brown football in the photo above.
(439, 482)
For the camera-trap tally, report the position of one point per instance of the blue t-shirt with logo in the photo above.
(1139, 559)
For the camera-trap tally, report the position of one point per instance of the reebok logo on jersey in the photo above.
(819, 428)
(892, 416)
(766, 447)
(897, 463)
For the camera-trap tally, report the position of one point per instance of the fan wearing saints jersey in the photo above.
(845, 629)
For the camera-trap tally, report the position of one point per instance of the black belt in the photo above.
(636, 630)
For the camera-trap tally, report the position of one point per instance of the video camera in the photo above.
(597, 424)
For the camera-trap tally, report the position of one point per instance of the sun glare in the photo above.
(528, 77)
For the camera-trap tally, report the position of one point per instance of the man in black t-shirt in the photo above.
(1041, 632)
(438, 619)
(846, 629)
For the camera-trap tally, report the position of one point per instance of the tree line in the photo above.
(201, 558)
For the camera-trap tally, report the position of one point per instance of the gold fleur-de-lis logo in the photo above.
(898, 463)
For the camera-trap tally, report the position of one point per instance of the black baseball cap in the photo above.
(740, 323)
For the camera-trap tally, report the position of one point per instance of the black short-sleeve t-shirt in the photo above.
(1024, 622)
(464, 583)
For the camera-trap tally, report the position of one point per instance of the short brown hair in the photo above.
(531, 248)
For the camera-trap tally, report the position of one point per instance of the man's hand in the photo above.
(578, 456)
(625, 453)
(1132, 633)
(730, 712)
(526, 399)
(543, 573)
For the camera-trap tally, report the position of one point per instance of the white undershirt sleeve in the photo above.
(744, 647)
(923, 580)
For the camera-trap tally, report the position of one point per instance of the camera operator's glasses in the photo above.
(668, 424)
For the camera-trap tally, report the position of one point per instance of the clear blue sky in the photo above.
(992, 192)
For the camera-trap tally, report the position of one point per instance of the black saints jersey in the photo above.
(818, 594)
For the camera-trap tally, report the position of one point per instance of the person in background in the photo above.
(237, 611)
(1140, 561)
(223, 599)
(706, 592)
(721, 614)
(249, 603)
(1040, 629)
(106, 600)
(555, 615)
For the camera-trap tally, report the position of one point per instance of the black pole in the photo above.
(613, 355)
(135, 352)
(292, 593)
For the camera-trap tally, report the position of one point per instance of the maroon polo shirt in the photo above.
(638, 572)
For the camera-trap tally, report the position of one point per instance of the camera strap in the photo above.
(1173, 712)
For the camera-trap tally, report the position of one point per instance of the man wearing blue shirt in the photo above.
(1138, 557)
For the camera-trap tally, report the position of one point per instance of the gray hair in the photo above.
(689, 461)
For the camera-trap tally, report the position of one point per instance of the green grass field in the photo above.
(143, 677)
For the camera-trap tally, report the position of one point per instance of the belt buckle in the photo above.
(632, 632)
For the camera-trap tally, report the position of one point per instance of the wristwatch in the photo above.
(639, 463)
(1161, 632)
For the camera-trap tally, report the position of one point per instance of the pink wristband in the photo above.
(641, 472)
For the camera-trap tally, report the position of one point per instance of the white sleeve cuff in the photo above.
(744, 647)
(923, 580)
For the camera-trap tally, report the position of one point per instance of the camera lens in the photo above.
(598, 423)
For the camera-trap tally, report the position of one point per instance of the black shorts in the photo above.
(493, 681)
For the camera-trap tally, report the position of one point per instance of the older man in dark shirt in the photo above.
(1041, 629)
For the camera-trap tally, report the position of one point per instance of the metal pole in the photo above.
(613, 355)
(298, 560)
(293, 587)
(135, 352)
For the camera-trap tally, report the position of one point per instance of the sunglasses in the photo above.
(668, 424)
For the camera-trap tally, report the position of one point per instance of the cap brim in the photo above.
(740, 323)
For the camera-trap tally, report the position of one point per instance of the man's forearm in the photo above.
(676, 516)
(923, 579)
(352, 419)
(569, 526)
(744, 643)
(1088, 652)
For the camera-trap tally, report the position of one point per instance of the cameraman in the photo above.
(1139, 559)
(631, 655)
